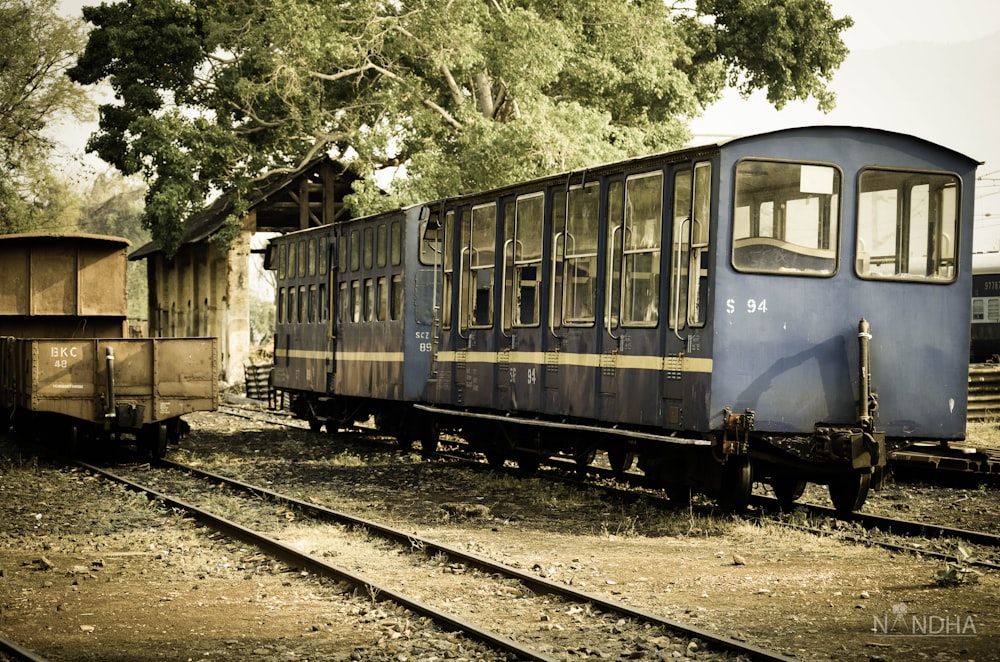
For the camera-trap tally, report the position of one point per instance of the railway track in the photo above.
(531, 587)
(15, 651)
(870, 529)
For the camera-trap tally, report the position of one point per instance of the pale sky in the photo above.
(944, 87)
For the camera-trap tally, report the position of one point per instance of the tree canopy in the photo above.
(466, 94)
(39, 46)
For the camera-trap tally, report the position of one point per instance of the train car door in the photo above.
(630, 357)
(523, 234)
(571, 371)
(688, 291)
(476, 350)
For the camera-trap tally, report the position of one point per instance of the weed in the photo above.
(959, 571)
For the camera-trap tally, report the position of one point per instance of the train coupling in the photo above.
(736, 430)
(864, 449)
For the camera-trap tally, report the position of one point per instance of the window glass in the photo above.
(321, 254)
(311, 252)
(302, 258)
(616, 220)
(786, 217)
(368, 249)
(430, 247)
(369, 309)
(581, 255)
(529, 217)
(282, 260)
(907, 225)
(355, 301)
(324, 304)
(344, 310)
(643, 220)
(355, 250)
(381, 246)
(382, 296)
(447, 284)
(280, 313)
(396, 312)
(312, 305)
(481, 260)
(396, 243)
(290, 309)
(301, 302)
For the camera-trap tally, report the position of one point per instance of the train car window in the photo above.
(344, 311)
(279, 314)
(430, 247)
(581, 255)
(311, 253)
(396, 243)
(698, 255)
(342, 243)
(641, 257)
(786, 218)
(303, 257)
(679, 246)
(302, 301)
(290, 267)
(355, 250)
(558, 268)
(322, 255)
(355, 301)
(396, 296)
(382, 296)
(482, 265)
(324, 304)
(282, 261)
(381, 246)
(368, 248)
(616, 219)
(290, 308)
(907, 225)
(369, 300)
(312, 305)
(447, 282)
(529, 216)
(507, 258)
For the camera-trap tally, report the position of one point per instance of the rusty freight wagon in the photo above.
(66, 368)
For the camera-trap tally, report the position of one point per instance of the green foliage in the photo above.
(39, 46)
(959, 571)
(466, 94)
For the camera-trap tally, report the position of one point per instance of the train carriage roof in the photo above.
(39, 237)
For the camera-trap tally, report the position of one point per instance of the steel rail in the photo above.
(536, 583)
(18, 651)
(303, 561)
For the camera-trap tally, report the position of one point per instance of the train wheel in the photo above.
(787, 490)
(737, 481)
(620, 460)
(430, 435)
(315, 424)
(528, 463)
(495, 457)
(849, 492)
(154, 442)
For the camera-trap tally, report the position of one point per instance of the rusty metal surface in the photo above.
(162, 377)
(62, 275)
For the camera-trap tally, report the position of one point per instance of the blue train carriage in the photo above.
(770, 308)
(353, 299)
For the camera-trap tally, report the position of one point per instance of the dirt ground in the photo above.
(89, 571)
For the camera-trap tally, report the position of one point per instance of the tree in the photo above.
(467, 94)
(40, 47)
